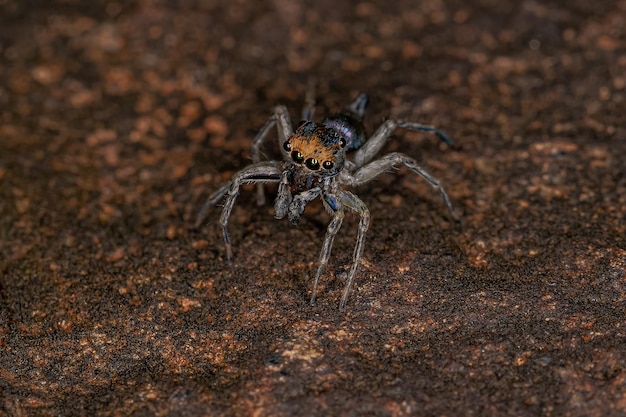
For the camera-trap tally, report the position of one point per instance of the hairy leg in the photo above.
(373, 145)
(309, 102)
(210, 202)
(358, 106)
(352, 202)
(263, 172)
(281, 119)
(337, 204)
(382, 165)
(331, 232)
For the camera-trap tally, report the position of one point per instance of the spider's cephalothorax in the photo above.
(315, 165)
(317, 148)
(317, 153)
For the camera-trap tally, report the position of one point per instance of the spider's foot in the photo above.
(444, 137)
(229, 253)
(458, 222)
(198, 223)
(260, 197)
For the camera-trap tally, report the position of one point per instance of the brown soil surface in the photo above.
(117, 120)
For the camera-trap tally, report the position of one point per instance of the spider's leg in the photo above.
(210, 202)
(373, 145)
(281, 119)
(256, 154)
(258, 173)
(379, 166)
(352, 202)
(284, 127)
(358, 106)
(331, 232)
(425, 128)
(336, 204)
(259, 138)
(309, 102)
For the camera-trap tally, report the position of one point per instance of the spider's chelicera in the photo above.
(316, 166)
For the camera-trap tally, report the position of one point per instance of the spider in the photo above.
(316, 165)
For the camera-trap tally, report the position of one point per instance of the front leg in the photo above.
(337, 204)
(263, 172)
(331, 232)
(352, 202)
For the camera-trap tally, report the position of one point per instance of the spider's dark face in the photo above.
(317, 149)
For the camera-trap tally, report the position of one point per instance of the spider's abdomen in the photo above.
(348, 127)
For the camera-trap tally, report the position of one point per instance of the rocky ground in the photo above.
(118, 119)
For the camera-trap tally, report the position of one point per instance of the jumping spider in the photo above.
(315, 164)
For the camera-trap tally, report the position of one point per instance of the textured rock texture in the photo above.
(117, 120)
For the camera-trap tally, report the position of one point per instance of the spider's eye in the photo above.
(297, 157)
(342, 142)
(287, 145)
(328, 165)
(312, 164)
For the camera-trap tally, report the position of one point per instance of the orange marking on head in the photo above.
(311, 146)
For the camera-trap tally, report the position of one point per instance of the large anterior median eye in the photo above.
(313, 164)
(297, 157)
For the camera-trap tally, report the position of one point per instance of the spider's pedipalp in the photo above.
(299, 202)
